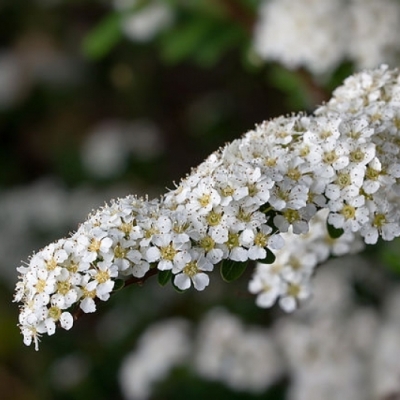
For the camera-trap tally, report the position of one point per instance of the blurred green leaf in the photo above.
(216, 44)
(269, 259)
(333, 232)
(290, 83)
(164, 277)
(389, 253)
(202, 37)
(182, 41)
(118, 285)
(232, 270)
(101, 39)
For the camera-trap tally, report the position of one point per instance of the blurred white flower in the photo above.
(306, 33)
(45, 62)
(385, 352)
(68, 371)
(373, 37)
(321, 34)
(143, 24)
(13, 82)
(161, 347)
(107, 148)
(242, 357)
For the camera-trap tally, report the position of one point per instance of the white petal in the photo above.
(200, 281)
(182, 281)
(66, 320)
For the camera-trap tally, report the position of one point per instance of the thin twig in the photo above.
(133, 280)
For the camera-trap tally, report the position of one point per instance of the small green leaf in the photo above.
(118, 285)
(333, 232)
(216, 43)
(164, 277)
(102, 38)
(182, 41)
(232, 270)
(269, 259)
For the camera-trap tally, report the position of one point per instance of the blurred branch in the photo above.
(240, 14)
(316, 92)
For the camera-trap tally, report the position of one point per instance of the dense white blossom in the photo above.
(297, 33)
(241, 204)
(320, 34)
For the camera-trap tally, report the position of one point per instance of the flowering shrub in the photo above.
(321, 183)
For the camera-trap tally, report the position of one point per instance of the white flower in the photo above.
(286, 32)
(192, 272)
(349, 215)
(145, 23)
(372, 40)
(298, 219)
(292, 292)
(202, 199)
(167, 252)
(267, 286)
(385, 223)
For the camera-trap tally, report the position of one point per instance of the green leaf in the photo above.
(232, 270)
(269, 259)
(118, 285)
(101, 39)
(164, 277)
(389, 253)
(183, 41)
(216, 44)
(333, 232)
(290, 83)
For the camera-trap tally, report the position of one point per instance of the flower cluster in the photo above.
(359, 30)
(234, 207)
(288, 277)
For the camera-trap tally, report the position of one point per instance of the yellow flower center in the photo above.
(348, 211)
(207, 243)
(252, 189)
(191, 269)
(243, 216)
(51, 264)
(261, 239)
(227, 191)
(294, 173)
(291, 215)
(293, 290)
(343, 180)
(213, 218)
(94, 245)
(372, 174)
(91, 294)
(168, 252)
(63, 287)
(233, 240)
(329, 157)
(379, 220)
(102, 276)
(40, 285)
(204, 200)
(55, 313)
(270, 162)
(120, 252)
(357, 156)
